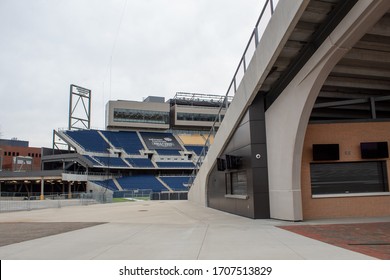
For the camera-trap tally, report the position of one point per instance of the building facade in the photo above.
(190, 112)
(312, 111)
(16, 155)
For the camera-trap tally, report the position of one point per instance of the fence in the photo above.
(150, 195)
(169, 196)
(144, 194)
(10, 204)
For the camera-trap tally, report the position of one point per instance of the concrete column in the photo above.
(42, 196)
(286, 122)
(70, 190)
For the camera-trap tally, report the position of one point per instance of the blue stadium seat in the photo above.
(140, 162)
(91, 159)
(89, 140)
(127, 140)
(176, 183)
(168, 152)
(175, 164)
(111, 161)
(141, 182)
(108, 184)
(196, 149)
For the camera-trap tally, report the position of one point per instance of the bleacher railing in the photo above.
(253, 42)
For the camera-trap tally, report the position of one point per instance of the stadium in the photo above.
(149, 150)
(301, 133)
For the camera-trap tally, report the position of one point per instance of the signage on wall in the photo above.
(156, 141)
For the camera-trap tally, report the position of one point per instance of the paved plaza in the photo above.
(166, 230)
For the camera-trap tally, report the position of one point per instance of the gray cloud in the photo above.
(161, 47)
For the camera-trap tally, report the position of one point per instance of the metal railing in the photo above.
(143, 193)
(169, 196)
(150, 195)
(253, 42)
(27, 203)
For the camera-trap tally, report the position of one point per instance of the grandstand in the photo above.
(195, 142)
(129, 161)
(128, 141)
(147, 147)
(177, 183)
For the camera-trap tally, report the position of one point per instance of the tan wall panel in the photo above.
(195, 139)
(348, 136)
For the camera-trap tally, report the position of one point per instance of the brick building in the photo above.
(16, 155)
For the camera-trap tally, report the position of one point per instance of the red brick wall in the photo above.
(9, 152)
(348, 136)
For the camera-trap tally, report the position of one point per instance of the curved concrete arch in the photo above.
(286, 123)
(287, 118)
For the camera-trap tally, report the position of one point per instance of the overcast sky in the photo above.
(119, 49)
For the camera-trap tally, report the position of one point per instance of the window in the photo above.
(197, 117)
(238, 183)
(348, 177)
(141, 116)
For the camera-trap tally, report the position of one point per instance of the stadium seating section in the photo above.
(123, 151)
(174, 164)
(168, 152)
(92, 160)
(147, 183)
(194, 148)
(141, 182)
(89, 140)
(176, 183)
(127, 140)
(111, 161)
(109, 184)
(140, 162)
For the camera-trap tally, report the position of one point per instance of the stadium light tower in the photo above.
(79, 108)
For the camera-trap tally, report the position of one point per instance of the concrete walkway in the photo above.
(164, 230)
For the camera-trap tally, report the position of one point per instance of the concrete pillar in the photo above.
(286, 122)
(42, 196)
(70, 190)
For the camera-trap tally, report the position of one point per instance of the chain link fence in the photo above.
(150, 195)
(26, 203)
